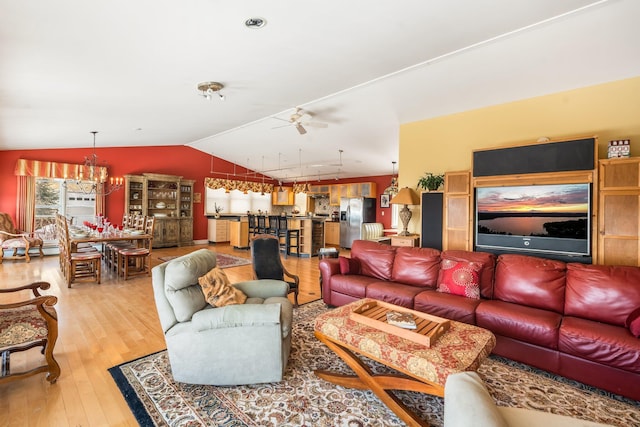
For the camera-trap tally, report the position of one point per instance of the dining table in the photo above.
(95, 237)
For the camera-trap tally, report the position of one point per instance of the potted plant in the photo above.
(430, 181)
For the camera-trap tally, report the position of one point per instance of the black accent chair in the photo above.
(267, 264)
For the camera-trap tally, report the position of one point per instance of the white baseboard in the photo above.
(201, 242)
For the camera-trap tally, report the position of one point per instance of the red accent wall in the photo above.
(172, 160)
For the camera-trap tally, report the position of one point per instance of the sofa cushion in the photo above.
(181, 282)
(354, 285)
(460, 278)
(393, 292)
(600, 342)
(349, 265)
(530, 281)
(416, 266)
(376, 259)
(218, 290)
(446, 305)
(531, 325)
(633, 323)
(488, 262)
(590, 288)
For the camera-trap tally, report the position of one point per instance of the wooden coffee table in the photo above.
(421, 368)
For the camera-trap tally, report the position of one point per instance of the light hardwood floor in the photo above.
(101, 326)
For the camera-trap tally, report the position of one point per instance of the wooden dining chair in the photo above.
(137, 260)
(77, 265)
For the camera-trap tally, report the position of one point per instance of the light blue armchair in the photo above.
(236, 344)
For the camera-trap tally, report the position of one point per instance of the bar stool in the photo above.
(253, 224)
(288, 238)
(272, 227)
(262, 224)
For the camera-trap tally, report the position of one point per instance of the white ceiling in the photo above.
(129, 69)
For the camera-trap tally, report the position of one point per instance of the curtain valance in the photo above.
(232, 184)
(44, 169)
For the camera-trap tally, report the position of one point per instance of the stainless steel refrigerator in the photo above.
(353, 213)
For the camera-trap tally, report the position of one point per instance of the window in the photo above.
(54, 195)
(235, 201)
(395, 210)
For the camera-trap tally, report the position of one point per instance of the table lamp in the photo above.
(406, 196)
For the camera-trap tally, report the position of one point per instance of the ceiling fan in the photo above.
(299, 119)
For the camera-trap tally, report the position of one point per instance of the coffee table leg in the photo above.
(379, 384)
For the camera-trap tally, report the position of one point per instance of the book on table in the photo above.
(402, 319)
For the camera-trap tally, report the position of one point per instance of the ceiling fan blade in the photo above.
(316, 124)
(282, 126)
(301, 130)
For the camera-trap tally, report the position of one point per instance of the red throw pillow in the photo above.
(633, 322)
(349, 265)
(460, 278)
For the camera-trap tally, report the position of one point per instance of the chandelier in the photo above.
(92, 177)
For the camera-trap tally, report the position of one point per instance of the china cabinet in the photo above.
(169, 199)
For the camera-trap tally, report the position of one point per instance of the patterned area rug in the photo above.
(302, 399)
(222, 260)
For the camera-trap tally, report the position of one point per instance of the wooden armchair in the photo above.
(16, 240)
(28, 324)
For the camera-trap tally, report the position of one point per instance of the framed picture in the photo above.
(384, 200)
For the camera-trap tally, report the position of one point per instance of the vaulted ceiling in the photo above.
(130, 70)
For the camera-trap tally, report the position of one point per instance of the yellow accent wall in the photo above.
(609, 111)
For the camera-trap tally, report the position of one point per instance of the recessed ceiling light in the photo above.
(255, 23)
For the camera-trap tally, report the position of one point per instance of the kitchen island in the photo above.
(311, 234)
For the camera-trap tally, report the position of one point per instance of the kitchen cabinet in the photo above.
(356, 189)
(618, 235)
(165, 197)
(218, 230)
(334, 195)
(282, 198)
(319, 189)
(331, 233)
(368, 189)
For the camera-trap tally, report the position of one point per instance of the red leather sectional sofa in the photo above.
(566, 318)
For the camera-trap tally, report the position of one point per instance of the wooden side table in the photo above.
(410, 241)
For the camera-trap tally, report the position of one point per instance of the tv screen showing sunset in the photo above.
(538, 210)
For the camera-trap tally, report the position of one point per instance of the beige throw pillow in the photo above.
(218, 291)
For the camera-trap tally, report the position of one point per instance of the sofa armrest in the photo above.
(468, 403)
(263, 288)
(328, 267)
(237, 315)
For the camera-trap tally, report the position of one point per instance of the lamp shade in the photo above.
(406, 196)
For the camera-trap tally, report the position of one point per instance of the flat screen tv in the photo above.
(555, 219)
